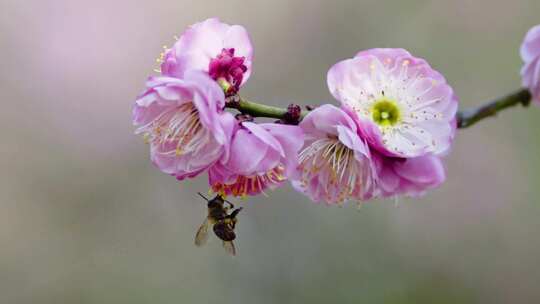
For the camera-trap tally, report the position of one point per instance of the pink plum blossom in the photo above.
(408, 176)
(184, 123)
(530, 53)
(335, 163)
(404, 107)
(262, 156)
(221, 50)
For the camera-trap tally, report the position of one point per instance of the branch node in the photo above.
(293, 114)
(244, 117)
(233, 102)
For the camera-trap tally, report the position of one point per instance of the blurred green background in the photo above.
(85, 218)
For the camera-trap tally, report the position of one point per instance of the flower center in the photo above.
(228, 70)
(385, 113)
(179, 131)
(334, 164)
(254, 184)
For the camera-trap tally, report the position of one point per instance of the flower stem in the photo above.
(260, 110)
(469, 117)
(465, 118)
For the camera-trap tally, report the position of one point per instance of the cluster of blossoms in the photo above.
(395, 122)
(182, 115)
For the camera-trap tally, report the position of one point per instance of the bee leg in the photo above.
(235, 212)
(229, 247)
(231, 206)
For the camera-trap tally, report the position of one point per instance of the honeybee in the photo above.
(222, 222)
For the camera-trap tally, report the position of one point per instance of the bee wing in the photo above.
(202, 234)
(229, 247)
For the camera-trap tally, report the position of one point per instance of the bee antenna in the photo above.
(200, 194)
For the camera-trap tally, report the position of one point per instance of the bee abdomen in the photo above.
(224, 232)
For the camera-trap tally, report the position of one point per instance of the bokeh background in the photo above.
(85, 218)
